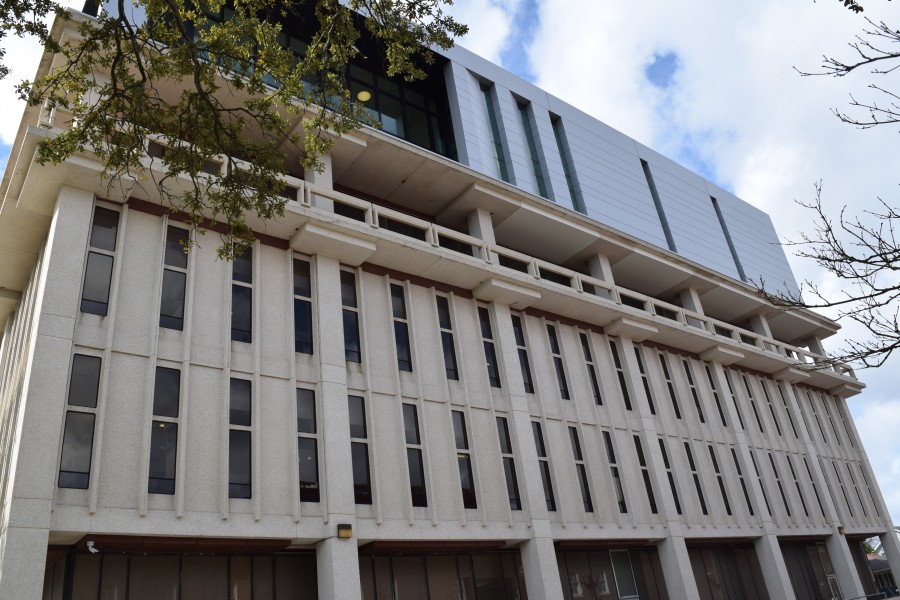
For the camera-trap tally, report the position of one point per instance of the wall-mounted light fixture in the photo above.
(364, 96)
(840, 530)
(345, 531)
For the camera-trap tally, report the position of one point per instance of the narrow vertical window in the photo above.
(803, 416)
(401, 328)
(164, 431)
(522, 349)
(753, 404)
(533, 149)
(417, 490)
(784, 501)
(812, 405)
(78, 431)
(581, 471)
(734, 402)
(464, 459)
(620, 372)
(509, 464)
(638, 355)
(494, 125)
(558, 362)
(359, 451)
(591, 368)
(760, 480)
(490, 354)
(544, 465)
(737, 466)
(446, 327)
(815, 488)
(303, 321)
(765, 389)
(239, 449)
(715, 464)
(174, 281)
(669, 475)
(693, 388)
(797, 484)
(834, 430)
(307, 445)
(696, 476)
(862, 471)
(839, 407)
(645, 474)
(862, 504)
(614, 472)
(670, 385)
(242, 297)
(787, 410)
(660, 211)
(715, 393)
(350, 312)
(565, 156)
(99, 265)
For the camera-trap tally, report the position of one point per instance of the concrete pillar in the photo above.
(814, 345)
(321, 179)
(23, 554)
(481, 226)
(599, 268)
(760, 325)
(540, 568)
(690, 300)
(771, 561)
(677, 571)
(891, 548)
(844, 567)
(337, 566)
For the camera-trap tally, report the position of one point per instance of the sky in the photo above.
(712, 85)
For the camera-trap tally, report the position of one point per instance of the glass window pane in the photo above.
(391, 115)
(104, 228)
(302, 280)
(176, 245)
(97, 275)
(357, 417)
(263, 577)
(503, 432)
(86, 580)
(348, 289)
(241, 578)
(204, 577)
(411, 424)
(467, 482)
(512, 485)
(309, 469)
(384, 580)
(163, 446)
(362, 487)
(398, 302)
(303, 338)
(417, 124)
(416, 477)
(409, 575)
(78, 441)
(171, 305)
(242, 267)
(239, 402)
(459, 430)
(450, 367)
(624, 577)
(241, 313)
(548, 485)
(538, 439)
(166, 392)
(239, 464)
(443, 579)
(386, 85)
(115, 577)
(443, 308)
(352, 351)
(404, 353)
(85, 380)
(153, 578)
(295, 577)
(306, 411)
(488, 575)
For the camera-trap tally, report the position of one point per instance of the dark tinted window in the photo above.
(239, 406)
(302, 280)
(239, 474)
(307, 453)
(306, 411)
(97, 275)
(357, 417)
(241, 313)
(163, 444)
(242, 267)
(166, 392)
(104, 228)
(171, 307)
(176, 245)
(78, 441)
(85, 380)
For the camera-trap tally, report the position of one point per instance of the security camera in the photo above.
(90, 547)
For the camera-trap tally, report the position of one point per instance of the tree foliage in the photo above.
(219, 89)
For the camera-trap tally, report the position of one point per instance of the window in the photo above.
(815, 488)
(797, 484)
(303, 321)
(753, 404)
(669, 475)
(862, 504)
(558, 362)
(645, 474)
(464, 459)
(784, 501)
(721, 482)
(862, 471)
(839, 408)
(359, 450)
(494, 126)
(715, 393)
(352, 347)
(837, 436)
(812, 405)
(99, 265)
(696, 476)
(307, 445)
(490, 354)
(414, 456)
(737, 466)
(841, 484)
(690, 380)
(787, 410)
(591, 368)
(519, 334)
(760, 480)
(78, 431)
(669, 384)
(509, 464)
(446, 326)
(164, 431)
(614, 472)
(242, 297)
(765, 389)
(401, 328)
(565, 158)
(533, 148)
(543, 465)
(581, 471)
(239, 451)
(734, 402)
(171, 305)
(620, 372)
(644, 380)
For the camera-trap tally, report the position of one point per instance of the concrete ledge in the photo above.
(505, 292)
(722, 354)
(791, 375)
(314, 238)
(634, 330)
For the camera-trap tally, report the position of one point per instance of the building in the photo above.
(495, 350)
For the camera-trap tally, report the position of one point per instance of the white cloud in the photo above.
(489, 24)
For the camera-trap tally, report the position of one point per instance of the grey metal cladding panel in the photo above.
(756, 243)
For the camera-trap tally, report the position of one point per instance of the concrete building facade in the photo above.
(518, 356)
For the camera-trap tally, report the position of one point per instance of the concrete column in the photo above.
(690, 300)
(844, 567)
(337, 565)
(677, 571)
(481, 226)
(891, 548)
(599, 268)
(321, 179)
(760, 325)
(23, 554)
(814, 345)
(540, 568)
(771, 561)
